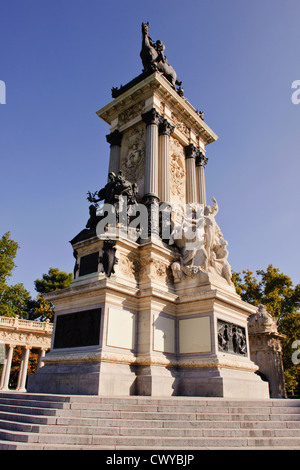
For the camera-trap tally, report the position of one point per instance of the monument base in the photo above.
(107, 379)
(84, 378)
(136, 333)
(222, 383)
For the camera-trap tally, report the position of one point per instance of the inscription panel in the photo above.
(89, 264)
(194, 335)
(78, 329)
(121, 329)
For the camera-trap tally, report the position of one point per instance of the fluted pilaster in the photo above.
(152, 119)
(165, 130)
(114, 139)
(191, 153)
(201, 161)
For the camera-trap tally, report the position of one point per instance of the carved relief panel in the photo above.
(132, 160)
(177, 172)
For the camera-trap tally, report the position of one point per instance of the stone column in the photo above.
(7, 368)
(3, 368)
(201, 161)
(114, 139)
(23, 370)
(41, 356)
(165, 130)
(152, 119)
(191, 153)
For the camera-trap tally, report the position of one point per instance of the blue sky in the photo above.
(237, 60)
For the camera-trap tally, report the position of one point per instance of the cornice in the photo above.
(156, 83)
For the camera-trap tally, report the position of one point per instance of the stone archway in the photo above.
(28, 335)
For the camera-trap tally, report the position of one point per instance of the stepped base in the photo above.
(65, 422)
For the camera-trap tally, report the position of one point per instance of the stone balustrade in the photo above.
(28, 335)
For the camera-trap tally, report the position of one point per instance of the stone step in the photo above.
(60, 423)
(153, 412)
(177, 442)
(139, 400)
(145, 415)
(127, 404)
(121, 430)
(37, 419)
(4, 445)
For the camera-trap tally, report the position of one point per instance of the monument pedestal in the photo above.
(150, 340)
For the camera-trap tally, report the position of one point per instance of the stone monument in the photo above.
(266, 351)
(152, 309)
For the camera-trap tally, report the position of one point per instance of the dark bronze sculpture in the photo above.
(231, 338)
(108, 258)
(153, 57)
(111, 193)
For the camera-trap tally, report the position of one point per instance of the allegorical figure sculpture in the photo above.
(200, 243)
(153, 57)
(231, 338)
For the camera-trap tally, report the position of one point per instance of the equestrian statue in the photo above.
(153, 57)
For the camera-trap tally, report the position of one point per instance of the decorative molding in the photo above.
(180, 125)
(191, 151)
(201, 159)
(115, 138)
(152, 117)
(130, 113)
(165, 128)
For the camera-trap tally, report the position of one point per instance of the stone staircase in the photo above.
(59, 422)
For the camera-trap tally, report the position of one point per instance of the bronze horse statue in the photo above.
(153, 58)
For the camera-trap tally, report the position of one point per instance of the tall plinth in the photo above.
(152, 312)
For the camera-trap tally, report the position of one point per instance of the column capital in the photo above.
(152, 117)
(201, 159)
(114, 138)
(191, 151)
(165, 127)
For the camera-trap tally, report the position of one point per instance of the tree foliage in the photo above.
(276, 291)
(13, 299)
(54, 280)
(41, 308)
(8, 252)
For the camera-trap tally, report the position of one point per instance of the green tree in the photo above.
(276, 291)
(13, 299)
(8, 252)
(40, 308)
(54, 280)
